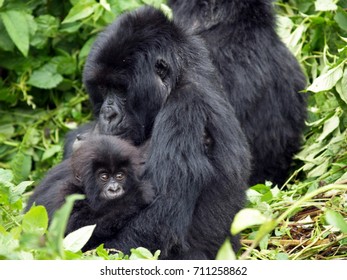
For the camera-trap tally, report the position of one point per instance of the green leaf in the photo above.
(329, 126)
(106, 5)
(143, 254)
(6, 176)
(51, 151)
(6, 131)
(7, 244)
(17, 28)
(129, 5)
(336, 219)
(6, 42)
(45, 77)
(17, 191)
(341, 87)
(341, 18)
(57, 228)
(226, 252)
(325, 5)
(21, 165)
(80, 11)
(247, 218)
(35, 220)
(293, 40)
(75, 240)
(319, 170)
(328, 80)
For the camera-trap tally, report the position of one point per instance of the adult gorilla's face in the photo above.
(129, 73)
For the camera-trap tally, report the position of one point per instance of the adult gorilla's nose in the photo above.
(109, 114)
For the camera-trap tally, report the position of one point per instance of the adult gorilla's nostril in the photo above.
(109, 113)
(111, 116)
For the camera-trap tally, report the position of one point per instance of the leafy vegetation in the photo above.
(43, 46)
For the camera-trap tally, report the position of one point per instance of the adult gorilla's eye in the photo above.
(162, 69)
(104, 176)
(120, 176)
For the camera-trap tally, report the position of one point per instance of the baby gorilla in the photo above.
(106, 170)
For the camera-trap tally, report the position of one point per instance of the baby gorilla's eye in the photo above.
(120, 176)
(104, 176)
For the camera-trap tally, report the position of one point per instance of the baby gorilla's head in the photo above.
(106, 167)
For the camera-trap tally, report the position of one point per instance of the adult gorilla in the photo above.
(261, 77)
(148, 78)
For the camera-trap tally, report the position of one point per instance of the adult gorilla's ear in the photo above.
(162, 69)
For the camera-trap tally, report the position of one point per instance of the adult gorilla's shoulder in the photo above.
(260, 76)
(148, 78)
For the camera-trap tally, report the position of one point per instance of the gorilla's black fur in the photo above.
(149, 78)
(106, 170)
(259, 74)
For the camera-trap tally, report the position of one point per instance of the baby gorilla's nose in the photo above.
(114, 190)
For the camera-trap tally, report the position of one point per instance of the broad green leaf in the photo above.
(327, 80)
(341, 18)
(284, 27)
(7, 244)
(75, 240)
(296, 36)
(21, 165)
(226, 252)
(35, 220)
(45, 77)
(6, 176)
(51, 151)
(129, 5)
(325, 5)
(319, 169)
(1, 3)
(86, 48)
(6, 130)
(143, 254)
(304, 6)
(17, 28)
(58, 225)
(336, 219)
(17, 191)
(6, 42)
(106, 5)
(247, 218)
(341, 87)
(329, 126)
(80, 11)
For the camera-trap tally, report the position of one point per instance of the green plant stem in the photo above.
(287, 213)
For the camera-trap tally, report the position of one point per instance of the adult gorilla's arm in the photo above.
(180, 171)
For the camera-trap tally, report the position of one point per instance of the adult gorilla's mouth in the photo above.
(126, 133)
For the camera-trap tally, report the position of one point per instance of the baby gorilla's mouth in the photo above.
(113, 192)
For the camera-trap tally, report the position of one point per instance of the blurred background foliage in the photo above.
(43, 47)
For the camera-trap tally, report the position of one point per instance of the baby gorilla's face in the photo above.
(111, 185)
